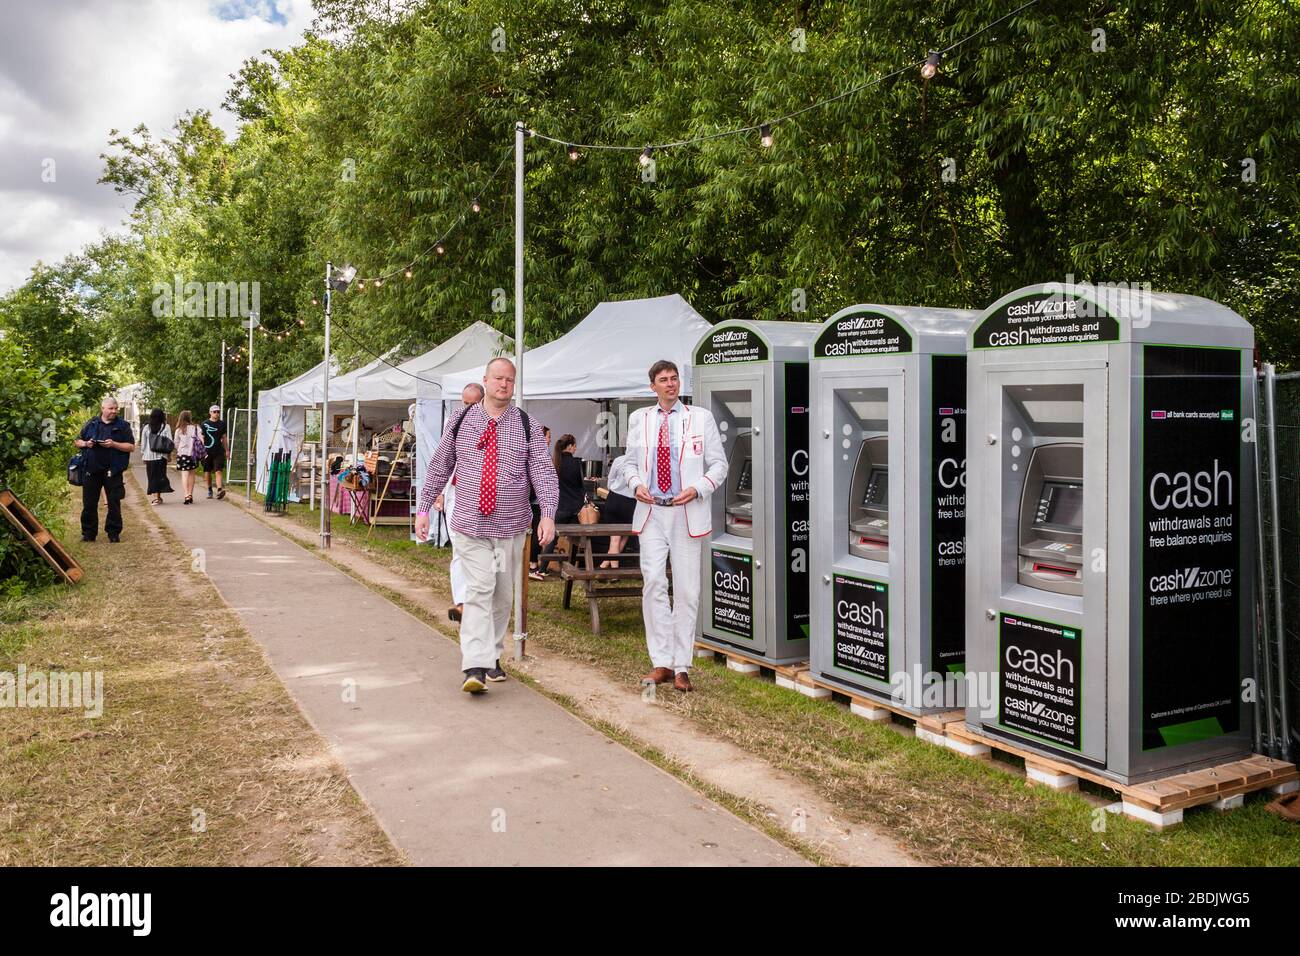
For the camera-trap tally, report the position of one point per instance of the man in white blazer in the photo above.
(675, 463)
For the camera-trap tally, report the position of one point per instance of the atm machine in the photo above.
(888, 458)
(869, 500)
(739, 503)
(1110, 564)
(1050, 539)
(753, 377)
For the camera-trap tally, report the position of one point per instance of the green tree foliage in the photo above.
(38, 420)
(54, 321)
(1138, 141)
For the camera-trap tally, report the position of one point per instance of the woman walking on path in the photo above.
(188, 436)
(157, 432)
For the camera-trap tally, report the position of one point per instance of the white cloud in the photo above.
(71, 70)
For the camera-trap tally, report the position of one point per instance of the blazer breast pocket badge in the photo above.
(697, 446)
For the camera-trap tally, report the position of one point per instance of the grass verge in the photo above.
(201, 756)
(944, 808)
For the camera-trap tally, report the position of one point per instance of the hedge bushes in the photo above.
(39, 418)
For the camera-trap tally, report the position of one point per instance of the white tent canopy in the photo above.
(386, 388)
(608, 353)
(421, 377)
(300, 389)
(604, 358)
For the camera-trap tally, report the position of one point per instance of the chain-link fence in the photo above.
(1279, 645)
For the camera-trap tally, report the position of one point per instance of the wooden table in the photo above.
(581, 564)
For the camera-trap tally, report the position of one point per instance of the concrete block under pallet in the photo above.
(1050, 777)
(802, 682)
(742, 666)
(869, 712)
(1160, 819)
(1229, 803)
(704, 652)
(969, 748)
(1290, 786)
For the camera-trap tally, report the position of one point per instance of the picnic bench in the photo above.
(582, 564)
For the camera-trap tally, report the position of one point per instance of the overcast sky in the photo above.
(71, 70)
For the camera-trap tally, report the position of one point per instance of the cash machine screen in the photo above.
(876, 494)
(1060, 506)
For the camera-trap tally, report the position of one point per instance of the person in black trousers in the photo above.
(155, 462)
(568, 467)
(106, 444)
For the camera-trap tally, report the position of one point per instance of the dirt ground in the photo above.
(201, 756)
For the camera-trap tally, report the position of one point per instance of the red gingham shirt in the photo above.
(513, 513)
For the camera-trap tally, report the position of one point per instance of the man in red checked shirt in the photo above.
(497, 454)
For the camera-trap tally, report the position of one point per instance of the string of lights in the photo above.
(929, 68)
(439, 246)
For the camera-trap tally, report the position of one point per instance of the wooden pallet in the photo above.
(873, 708)
(794, 676)
(39, 538)
(1159, 802)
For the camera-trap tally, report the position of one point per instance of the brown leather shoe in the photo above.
(660, 675)
(683, 682)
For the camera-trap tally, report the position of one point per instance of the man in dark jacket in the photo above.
(106, 444)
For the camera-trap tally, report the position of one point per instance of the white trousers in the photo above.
(455, 570)
(491, 567)
(670, 630)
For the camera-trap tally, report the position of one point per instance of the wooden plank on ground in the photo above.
(39, 537)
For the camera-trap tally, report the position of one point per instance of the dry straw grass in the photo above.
(196, 726)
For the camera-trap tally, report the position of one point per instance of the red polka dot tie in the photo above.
(487, 489)
(664, 465)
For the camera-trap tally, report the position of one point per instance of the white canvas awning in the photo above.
(608, 354)
(421, 377)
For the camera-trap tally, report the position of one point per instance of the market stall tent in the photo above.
(603, 359)
(280, 419)
(378, 394)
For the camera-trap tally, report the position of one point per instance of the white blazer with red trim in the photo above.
(702, 463)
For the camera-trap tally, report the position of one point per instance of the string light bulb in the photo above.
(931, 65)
(646, 154)
(765, 135)
(439, 248)
(361, 285)
(314, 301)
(302, 321)
(378, 283)
(408, 273)
(475, 206)
(573, 152)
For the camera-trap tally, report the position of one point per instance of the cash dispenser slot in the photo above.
(1050, 554)
(740, 487)
(869, 501)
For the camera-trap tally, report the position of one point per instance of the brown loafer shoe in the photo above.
(683, 682)
(660, 675)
